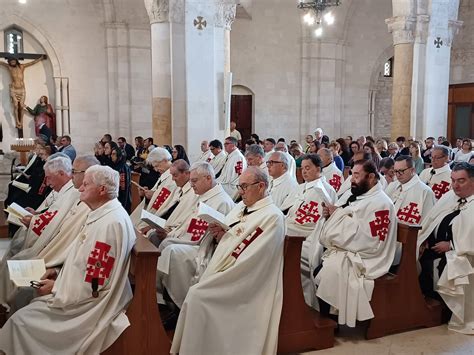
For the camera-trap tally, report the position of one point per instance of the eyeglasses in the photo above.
(271, 162)
(78, 171)
(227, 143)
(401, 171)
(244, 187)
(437, 157)
(212, 148)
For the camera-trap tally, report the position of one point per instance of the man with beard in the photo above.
(360, 241)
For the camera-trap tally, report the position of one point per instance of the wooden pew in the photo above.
(134, 190)
(301, 327)
(146, 334)
(397, 301)
(299, 176)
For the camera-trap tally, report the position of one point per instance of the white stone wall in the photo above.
(462, 53)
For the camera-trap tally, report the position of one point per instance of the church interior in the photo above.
(161, 90)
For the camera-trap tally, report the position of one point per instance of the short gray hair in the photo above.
(326, 152)
(283, 158)
(281, 147)
(203, 168)
(88, 160)
(443, 149)
(107, 177)
(158, 154)
(181, 165)
(55, 164)
(259, 174)
(256, 150)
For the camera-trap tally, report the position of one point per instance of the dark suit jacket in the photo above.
(45, 133)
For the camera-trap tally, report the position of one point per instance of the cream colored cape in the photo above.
(334, 176)
(440, 182)
(281, 187)
(233, 167)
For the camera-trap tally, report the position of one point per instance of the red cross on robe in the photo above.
(42, 220)
(440, 189)
(99, 263)
(239, 167)
(409, 214)
(161, 198)
(308, 213)
(246, 242)
(379, 226)
(335, 182)
(197, 228)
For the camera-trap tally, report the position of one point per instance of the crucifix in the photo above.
(17, 86)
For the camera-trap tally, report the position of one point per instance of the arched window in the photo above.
(14, 41)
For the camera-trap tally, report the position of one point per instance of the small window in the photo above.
(14, 41)
(388, 68)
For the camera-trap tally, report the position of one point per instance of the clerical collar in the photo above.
(443, 169)
(65, 187)
(312, 183)
(280, 179)
(103, 210)
(324, 167)
(210, 193)
(260, 204)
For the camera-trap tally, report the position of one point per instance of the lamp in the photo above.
(315, 13)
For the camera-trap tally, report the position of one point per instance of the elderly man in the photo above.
(234, 165)
(360, 241)
(282, 184)
(206, 154)
(333, 175)
(438, 177)
(245, 274)
(52, 247)
(256, 157)
(177, 265)
(282, 147)
(219, 157)
(82, 310)
(447, 235)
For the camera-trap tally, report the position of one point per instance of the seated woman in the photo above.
(179, 152)
(119, 164)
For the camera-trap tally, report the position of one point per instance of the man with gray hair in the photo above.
(332, 174)
(438, 177)
(282, 147)
(282, 183)
(256, 157)
(244, 273)
(53, 244)
(234, 165)
(82, 310)
(177, 265)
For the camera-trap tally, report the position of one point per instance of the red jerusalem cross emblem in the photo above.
(161, 198)
(440, 189)
(239, 166)
(335, 182)
(99, 263)
(42, 221)
(308, 213)
(197, 228)
(409, 214)
(246, 242)
(379, 226)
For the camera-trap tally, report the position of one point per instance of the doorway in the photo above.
(241, 111)
(460, 112)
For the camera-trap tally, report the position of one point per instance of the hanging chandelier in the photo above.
(316, 13)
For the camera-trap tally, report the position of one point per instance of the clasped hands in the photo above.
(47, 282)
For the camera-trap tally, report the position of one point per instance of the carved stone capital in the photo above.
(177, 11)
(422, 28)
(453, 29)
(225, 14)
(157, 10)
(402, 28)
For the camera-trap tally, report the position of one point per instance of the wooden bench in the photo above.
(397, 301)
(146, 334)
(299, 176)
(301, 327)
(134, 190)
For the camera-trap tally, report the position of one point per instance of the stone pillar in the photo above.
(402, 29)
(158, 12)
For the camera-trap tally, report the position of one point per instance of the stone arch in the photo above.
(241, 90)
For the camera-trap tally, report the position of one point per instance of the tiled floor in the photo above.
(437, 340)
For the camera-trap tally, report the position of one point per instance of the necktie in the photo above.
(168, 213)
(245, 212)
(445, 232)
(351, 198)
(432, 173)
(220, 172)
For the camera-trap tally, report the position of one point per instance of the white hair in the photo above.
(320, 130)
(55, 164)
(107, 177)
(88, 160)
(158, 154)
(281, 147)
(283, 158)
(259, 175)
(203, 168)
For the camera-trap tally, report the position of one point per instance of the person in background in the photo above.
(426, 153)
(235, 133)
(127, 149)
(335, 149)
(415, 153)
(108, 146)
(369, 147)
(308, 140)
(344, 151)
(297, 152)
(178, 152)
(387, 169)
(119, 164)
(464, 154)
(99, 152)
(382, 148)
(67, 148)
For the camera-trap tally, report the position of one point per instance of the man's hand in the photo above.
(145, 230)
(148, 193)
(50, 274)
(160, 234)
(216, 231)
(442, 247)
(328, 210)
(26, 220)
(46, 288)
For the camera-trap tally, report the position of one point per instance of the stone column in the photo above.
(158, 12)
(402, 29)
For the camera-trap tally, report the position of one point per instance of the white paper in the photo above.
(17, 210)
(153, 220)
(210, 215)
(24, 271)
(21, 185)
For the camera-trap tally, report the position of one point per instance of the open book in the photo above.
(153, 221)
(15, 213)
(24, 271)
(22, 186)
(210, 215)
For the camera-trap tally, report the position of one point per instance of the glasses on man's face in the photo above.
(439, 157)
(272, 162)
(227, 143)
(244, 187)
(74, 171)
(401, 171)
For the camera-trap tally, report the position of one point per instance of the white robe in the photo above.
(236, 306)
(186, 199)
(218, 161)
(205, 156)
(333, 176)
(361, 242)
(456, 283)
(177, 262)
(229, 178)
(281, 187)
(440, 182)
(70, 320)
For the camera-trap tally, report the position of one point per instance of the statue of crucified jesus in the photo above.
(17, 86)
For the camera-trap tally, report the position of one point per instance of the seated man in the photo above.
(51, 247)
(360, 240)
(282, 184)
(82, 311)
(177, 265)
(206, 154)
(218, 156)
(282, 147)
(447, 235)
(256, 157)
(234, 165)
(333, 175)
(239, 296)
(438, 177)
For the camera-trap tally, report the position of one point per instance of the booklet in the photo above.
(17, 210)
(210, 215)
(22, 272)
(22, 186)
(153, 221)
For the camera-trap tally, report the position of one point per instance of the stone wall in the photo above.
(462, 54)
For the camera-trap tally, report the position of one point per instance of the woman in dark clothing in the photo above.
(118, 161)
(354, 148)
(179, 152)
(108, 147)
(99, 153)
(344, 151)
